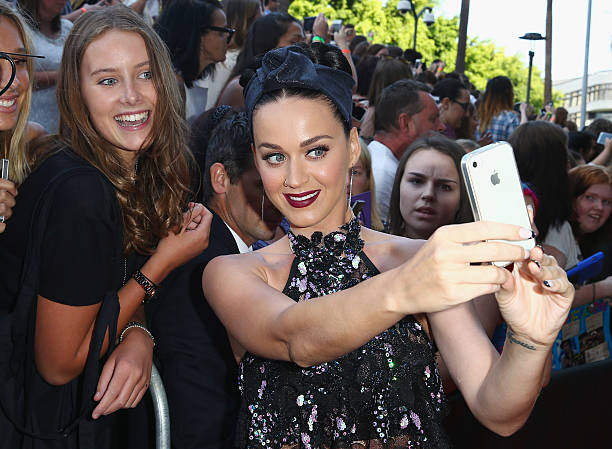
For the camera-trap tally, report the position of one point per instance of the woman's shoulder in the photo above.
(33, 131)
(388, 251)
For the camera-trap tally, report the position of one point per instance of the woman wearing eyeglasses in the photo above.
(197, 36)
(15, 130)
(454, 100)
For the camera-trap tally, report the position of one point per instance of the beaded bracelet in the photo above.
(133, 324)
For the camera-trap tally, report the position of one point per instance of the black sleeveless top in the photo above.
(385, 394)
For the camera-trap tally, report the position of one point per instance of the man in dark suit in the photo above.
(194, 355)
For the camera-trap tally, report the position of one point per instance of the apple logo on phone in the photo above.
(495, 178)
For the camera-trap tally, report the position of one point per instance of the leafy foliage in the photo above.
(483, 59)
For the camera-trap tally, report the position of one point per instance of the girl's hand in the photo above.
(178, 248)
(536, 302)
(8, 192)
(126, 374)
(442, 273)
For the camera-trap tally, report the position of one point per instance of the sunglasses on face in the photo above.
(464, 106)
(230, 31)
(9, 57)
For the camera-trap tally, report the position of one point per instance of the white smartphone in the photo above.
(494, 188)
(602, 137)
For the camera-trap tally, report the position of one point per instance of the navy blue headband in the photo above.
(289, 67)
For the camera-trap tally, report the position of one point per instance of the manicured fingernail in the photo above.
(525, 233)
(537, 263)
(548, 283)
(527, 253)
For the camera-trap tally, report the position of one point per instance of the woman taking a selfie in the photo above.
(324, 320)
(98, 225)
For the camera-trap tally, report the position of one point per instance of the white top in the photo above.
(195, 100)
(563, 239)
(384, 166)
(216, 82)
(44, 108)
(242, 247)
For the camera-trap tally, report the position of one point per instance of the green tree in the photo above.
(483, 59)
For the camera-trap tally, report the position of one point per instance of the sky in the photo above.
(503, 21)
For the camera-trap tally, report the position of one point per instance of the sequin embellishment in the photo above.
(385, 394)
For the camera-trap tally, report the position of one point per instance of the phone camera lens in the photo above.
(475, 164)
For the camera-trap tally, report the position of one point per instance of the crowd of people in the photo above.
(181, 188)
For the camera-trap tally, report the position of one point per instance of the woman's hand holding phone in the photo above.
(536, 302)
(448, 269)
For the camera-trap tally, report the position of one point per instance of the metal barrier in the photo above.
(160, 407)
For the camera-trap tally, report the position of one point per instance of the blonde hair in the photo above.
(366, 161)
(13, 141)
(153, 204)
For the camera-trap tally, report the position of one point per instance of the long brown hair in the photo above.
(13, 142)
(151, 201)
(445, 146)
(498, 97)
(581, 178)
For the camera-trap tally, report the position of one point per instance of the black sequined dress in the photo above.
(385, 394)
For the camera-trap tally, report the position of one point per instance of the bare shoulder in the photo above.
(388, 251)
(34, 130)
(270, 265)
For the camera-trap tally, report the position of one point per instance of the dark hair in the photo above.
(597, 126)
(181, 25)
(497, 97)
(264, 35)
(427, 77)
(412, 55)
(400, 97)
(229, 145)
(580, 141)
(448, 88)
(465, 128)
(375, 48)
(395, 51)
(365, 72)
(540, 149)
(240, 16)
(200, 131)
(356, 41)
(388, 70)
(561, 116)
(323, 54)
(360, 50)
(445, 146)
(30, 7)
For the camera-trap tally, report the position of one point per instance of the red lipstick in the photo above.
(303, 199)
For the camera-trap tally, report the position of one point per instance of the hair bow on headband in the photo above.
(290, 67)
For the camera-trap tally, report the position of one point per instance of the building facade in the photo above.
(598, 99)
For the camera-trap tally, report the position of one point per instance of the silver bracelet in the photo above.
(133, 324)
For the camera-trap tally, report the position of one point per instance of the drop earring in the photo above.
(263, 198)
(350, 189)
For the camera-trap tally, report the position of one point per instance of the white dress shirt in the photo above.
(242, 247)
(384, 166)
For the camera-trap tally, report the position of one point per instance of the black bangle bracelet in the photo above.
(151, 290)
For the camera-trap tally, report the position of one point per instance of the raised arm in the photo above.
(63, 332)
(534, 313)
(264, 321)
